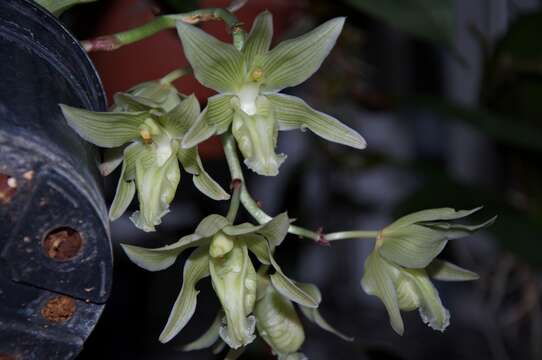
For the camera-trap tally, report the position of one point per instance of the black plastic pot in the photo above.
(55, 251)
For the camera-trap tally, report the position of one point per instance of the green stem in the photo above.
(358, 234)
(174, 75)
(118, 40)
(230, 150)
(234, 202)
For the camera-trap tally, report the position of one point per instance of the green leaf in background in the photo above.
(431, 20)
(57, 7)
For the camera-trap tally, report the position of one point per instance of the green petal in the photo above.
(126, 102)
(105, 129)
(289, 289)
(210, 225)
(192, 164)
(415, 246)
(445, 271)
(156, 187)
(432, 215)
(178, 121)
(256, 137)
(112, 159)
(199, 132)
(432, 312)
(195, 269)
(293, 61)
(314, 315)
(161, 258)
(259, 39)
(457, 231)
(219, 113)
(165, 95)
(278, 323)
(216, 64)
(234, 281)
(123, 196)
(294, 113)
(280, 281)
(209, 338)
(276, 229)
(378, 281)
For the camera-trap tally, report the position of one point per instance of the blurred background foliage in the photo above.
(448, 94)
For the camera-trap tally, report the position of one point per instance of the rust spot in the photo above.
(62, 244)
(60, 308)
(8, 188)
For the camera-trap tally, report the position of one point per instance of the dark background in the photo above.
(448, 95)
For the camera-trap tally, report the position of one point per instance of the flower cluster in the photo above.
(250, 300)
(143, 131)
(398, 271)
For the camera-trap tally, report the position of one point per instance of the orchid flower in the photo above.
(248, 299)
(143, 131)
(399, 269)
(249, 82)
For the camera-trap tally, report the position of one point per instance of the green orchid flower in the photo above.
(249, 81)
(399, 269)
(143, 132)
(222, 252)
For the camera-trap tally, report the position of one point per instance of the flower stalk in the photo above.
(116, 41)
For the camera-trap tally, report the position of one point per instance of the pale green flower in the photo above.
(143, 131)
(248, 300)
(399, 269)
(249, 81)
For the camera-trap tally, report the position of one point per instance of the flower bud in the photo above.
(278, 323)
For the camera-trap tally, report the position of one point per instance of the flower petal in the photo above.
(216, 64)
(284, 285)
(256, 137)
(112, 158)
(195, 269)
(178, 121)
(123, 196)
(199, 132)
(105, 129)
(160, 258)
(259, 39)
(211, 224)
(445, 271)
(294, 113)
(432, 312)
(293, 61)
(432, 215)
(208, 338)
(192, 164)
(156, 188)
(234, 281)
(378, 281)
(414, 246)
(219, 113)
(314, 315)
(278, 323)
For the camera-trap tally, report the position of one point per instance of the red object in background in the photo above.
(154, 57)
